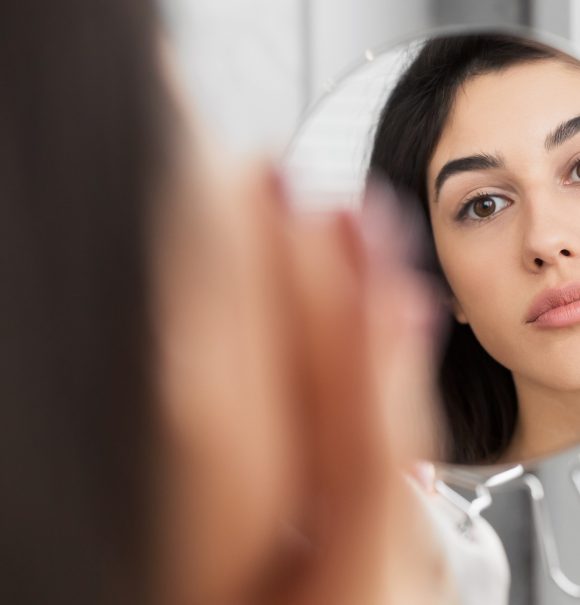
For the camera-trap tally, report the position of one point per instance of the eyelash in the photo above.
(573, 168)
(462, 214)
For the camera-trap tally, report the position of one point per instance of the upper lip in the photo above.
(552, 298)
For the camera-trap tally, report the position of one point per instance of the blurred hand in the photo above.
(365, 352)
(316, 366)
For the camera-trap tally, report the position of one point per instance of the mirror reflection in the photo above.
(480, 133)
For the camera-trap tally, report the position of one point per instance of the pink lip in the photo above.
(556, 307)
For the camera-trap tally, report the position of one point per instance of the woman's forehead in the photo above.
(509, 111)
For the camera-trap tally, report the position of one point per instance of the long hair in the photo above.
(81, 97)
(478, 393)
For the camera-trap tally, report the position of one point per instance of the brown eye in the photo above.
(484, 207)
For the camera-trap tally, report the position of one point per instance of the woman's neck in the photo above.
(548, 421)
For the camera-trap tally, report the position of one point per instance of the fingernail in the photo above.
(353, 237)
(278, 187)
(379, 224)
(425, 475)
(400, 218)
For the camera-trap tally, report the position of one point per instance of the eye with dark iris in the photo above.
(482, 207)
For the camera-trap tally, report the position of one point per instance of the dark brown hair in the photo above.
(478, 393)
(80, 141)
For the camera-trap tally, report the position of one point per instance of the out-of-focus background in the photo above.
(255, 65)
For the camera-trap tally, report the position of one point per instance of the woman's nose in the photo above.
(551, 237)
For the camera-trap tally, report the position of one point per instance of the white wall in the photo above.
(252, 64)
(245, 59)
(242, 60)
(342, 30)
(575, 22)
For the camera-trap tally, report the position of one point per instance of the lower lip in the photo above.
(560, 317)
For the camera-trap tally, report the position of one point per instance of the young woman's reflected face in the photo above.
(504, 197)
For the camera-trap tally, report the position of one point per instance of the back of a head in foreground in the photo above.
(79, 96)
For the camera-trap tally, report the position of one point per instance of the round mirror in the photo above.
(480, 132)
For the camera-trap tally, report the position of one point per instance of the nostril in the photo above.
(538, 261)
(565, 252)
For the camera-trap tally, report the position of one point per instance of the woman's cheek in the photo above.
(481, 284)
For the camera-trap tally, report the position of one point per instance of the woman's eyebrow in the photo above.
(562, 133)
(480, 161)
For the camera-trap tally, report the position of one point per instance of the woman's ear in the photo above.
(457, 310)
